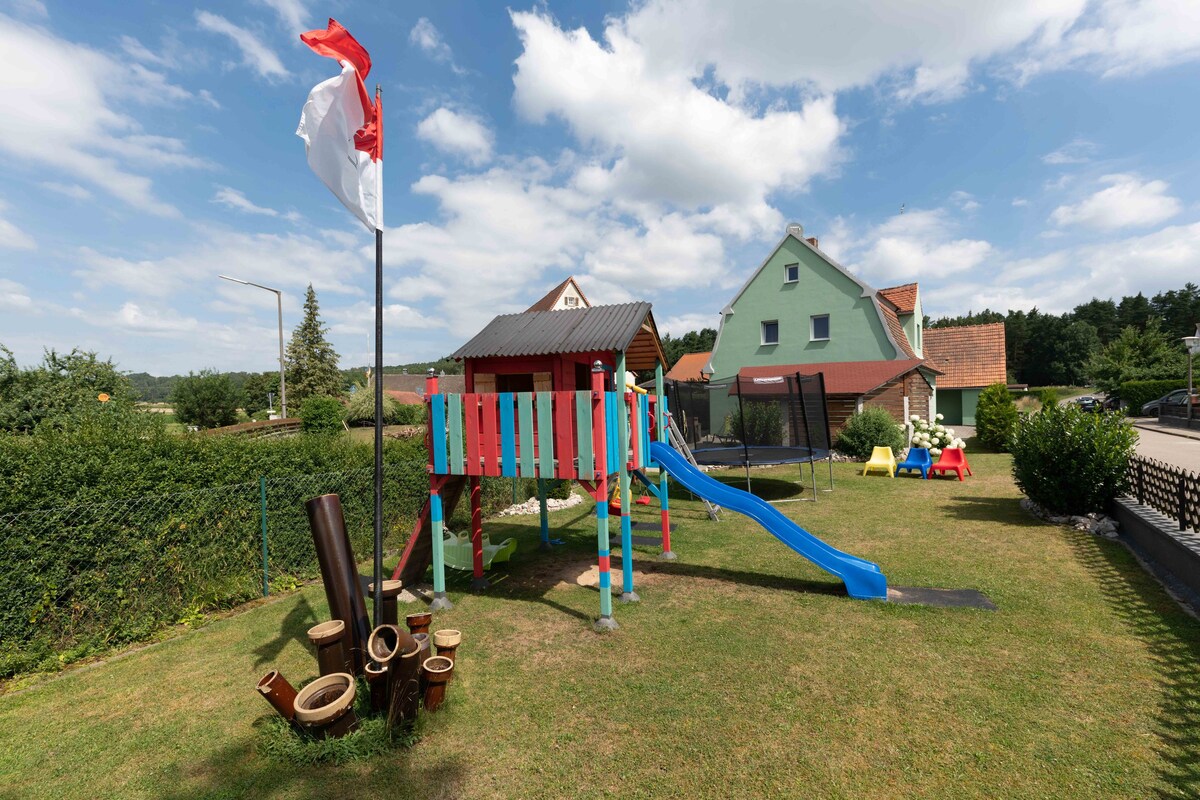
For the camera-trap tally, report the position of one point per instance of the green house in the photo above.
(801, 309)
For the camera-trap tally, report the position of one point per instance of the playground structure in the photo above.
(546, 414)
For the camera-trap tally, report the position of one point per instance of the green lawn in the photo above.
(743, 672)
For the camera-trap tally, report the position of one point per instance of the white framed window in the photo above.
(819, 328)
(770, 332)
(571, 301)
(791, 273)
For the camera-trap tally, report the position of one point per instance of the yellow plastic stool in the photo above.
(881, 459)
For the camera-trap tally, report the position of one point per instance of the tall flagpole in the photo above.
(378, 394)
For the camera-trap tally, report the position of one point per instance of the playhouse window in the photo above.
(770, 332)
(571, 301)
(791, 273)
(820, 328)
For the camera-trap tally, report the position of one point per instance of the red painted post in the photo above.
(478, 582)
(600, 444)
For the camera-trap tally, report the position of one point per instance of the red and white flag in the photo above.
(342, 128)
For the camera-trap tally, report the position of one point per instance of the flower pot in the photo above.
(387, 642)
(377, 680)
(419, 623)
(447, 642)
(426, 651)
(391, 591)
(438, 671)
(325, 708)
(279, 693)
(327, 638)
(404, 689)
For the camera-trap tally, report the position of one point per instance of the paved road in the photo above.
(1177, 450)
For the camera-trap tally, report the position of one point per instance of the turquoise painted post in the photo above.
(262, 494)
(545, 514)
(628, 595)
(606, 621)
(437, 525)
(660, 427)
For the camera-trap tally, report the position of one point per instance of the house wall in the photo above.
(970, 399)
(913, 328)
(950, 406)
(856, 332)
(891, 396)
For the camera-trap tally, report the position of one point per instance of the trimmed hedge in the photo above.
(1072, 462)
(114, 529)
(996, 417)
(1138, 393)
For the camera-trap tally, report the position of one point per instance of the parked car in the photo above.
(1175, 398)
(1113, 403)
(1089, 403)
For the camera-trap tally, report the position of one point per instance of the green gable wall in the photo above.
(855, 331)
(912, 324)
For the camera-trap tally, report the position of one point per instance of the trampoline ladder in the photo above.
(676, 439)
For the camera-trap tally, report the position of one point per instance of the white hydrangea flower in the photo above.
(935, 451)
(949, 431)
(915, 418)
(939, 417)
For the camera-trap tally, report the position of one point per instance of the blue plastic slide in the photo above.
(863, 579)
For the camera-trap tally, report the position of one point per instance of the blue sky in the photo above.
(1043, 150)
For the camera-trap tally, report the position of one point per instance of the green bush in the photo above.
(757, 424)
(408, 414)
(321, 413)
(1138, 393)
(1072, 462)
(996, 417)
(360, 411)
(1048, 397)
(874, 427)
(206, 399)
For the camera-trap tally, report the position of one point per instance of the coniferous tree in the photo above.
(312, 363)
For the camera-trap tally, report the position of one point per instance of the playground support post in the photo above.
(606, 621)
(660, 423)
(436, 522)
(478, 582)
(262, 498)
(627, 415)
(544, 512)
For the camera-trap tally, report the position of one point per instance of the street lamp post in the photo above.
(1193, 347)
(279, 307)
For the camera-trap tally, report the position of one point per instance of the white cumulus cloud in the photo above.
(459, 134)
(1127, 202)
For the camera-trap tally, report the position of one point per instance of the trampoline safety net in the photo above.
(749, 421)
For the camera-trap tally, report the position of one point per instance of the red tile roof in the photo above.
(688, 367)
(970, 355)
(904, 298)
(405, 398)
(844, 377)
(897, 330)
(548, 302)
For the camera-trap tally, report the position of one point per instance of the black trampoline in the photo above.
(754, 421)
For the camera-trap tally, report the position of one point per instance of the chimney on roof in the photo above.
(812, 240)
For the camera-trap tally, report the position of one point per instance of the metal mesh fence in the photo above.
(79, 578)
(753, 420)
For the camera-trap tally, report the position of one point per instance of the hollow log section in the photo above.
(339, 573)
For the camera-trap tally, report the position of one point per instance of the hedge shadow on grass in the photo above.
(991, 509)
(1173, 640)
(293, 627)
